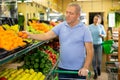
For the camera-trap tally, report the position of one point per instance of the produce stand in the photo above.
(20, 52)
(26, 51)
(119, 55)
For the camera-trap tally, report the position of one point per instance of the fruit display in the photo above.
(13, 27)
(21, 74)
(22, 34)
(37, 63)
(37, 27)
(10, 40)
(52, 55)
(40, 60)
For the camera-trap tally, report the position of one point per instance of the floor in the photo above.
(104, 75)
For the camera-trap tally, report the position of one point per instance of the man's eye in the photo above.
(69, 13)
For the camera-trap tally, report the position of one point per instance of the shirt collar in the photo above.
(78, 25)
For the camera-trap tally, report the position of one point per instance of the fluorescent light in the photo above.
(88, 0)
(84, 0)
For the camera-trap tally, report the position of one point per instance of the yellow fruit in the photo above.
(31, 71)
(10, 72)
(26, 70)
(19, 71)
(17, 77)
(39, 74)
(13, 75)
(31, 77)
(5, 73)
(25, 77)
(10, 78)
(42, 77)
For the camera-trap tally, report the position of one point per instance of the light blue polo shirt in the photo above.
(95, 31)
(72, 49)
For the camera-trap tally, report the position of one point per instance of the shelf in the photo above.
(21, 52)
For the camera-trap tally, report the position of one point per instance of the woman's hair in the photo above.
(98, 15)
(77, 6)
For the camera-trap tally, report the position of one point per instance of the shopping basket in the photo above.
(107, 46)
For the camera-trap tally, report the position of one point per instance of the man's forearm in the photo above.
(89, 57)
(45, 36)
(40, 37)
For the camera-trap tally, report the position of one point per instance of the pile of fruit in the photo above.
(13, 27)
(40, 60)
(10, 40)
(21, 74)
(37, 27)
(51, 54)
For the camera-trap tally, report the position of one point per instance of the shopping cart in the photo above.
(69, 72)
(53, 75)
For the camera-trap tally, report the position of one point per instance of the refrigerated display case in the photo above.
(8, 8)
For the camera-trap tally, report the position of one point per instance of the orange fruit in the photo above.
(20, 34)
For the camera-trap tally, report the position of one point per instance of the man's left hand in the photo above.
(83, 72)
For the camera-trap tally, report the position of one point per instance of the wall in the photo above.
(60, 5)
(104, 6)
(30, 10)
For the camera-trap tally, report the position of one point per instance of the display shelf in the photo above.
(21, 52)
(119, 55)
(50, 74)
(115, 32)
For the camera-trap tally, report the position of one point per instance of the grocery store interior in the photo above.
(22, 58)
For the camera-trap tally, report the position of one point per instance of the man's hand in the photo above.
(83, 72)
(100, 35)
(28, 33)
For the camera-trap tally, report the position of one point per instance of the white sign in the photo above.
(111, 20)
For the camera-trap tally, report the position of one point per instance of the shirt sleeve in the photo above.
(103, 31)
(56, 29)
(87, 35)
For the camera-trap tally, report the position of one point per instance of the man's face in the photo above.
(71, 15)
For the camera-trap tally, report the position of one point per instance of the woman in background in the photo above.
(98, 32)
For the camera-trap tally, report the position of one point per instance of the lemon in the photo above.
(26, 70)
(31, 71)
(13, 75)
(39, 74)
(42, 77)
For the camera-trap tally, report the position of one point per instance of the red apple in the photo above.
(3, 78)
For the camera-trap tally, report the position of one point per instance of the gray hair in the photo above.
(77, 6)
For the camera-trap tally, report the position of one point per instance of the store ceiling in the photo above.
(87, 0)
(94, 0)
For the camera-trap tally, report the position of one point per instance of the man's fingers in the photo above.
(83, 72)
